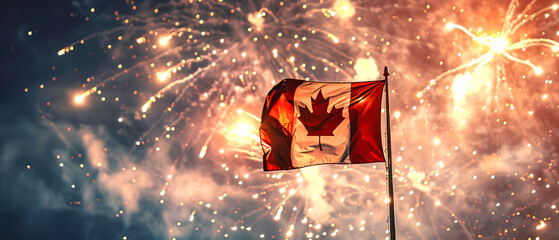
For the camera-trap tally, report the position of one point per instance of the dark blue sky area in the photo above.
(27, 62)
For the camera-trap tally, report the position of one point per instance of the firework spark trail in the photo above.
(190, 77)
(71, 46)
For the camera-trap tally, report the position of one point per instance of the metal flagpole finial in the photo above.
(386, 74)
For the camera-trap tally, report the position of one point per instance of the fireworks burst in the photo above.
(501, 45)
(183, 83)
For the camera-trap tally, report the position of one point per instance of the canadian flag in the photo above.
(308, 123)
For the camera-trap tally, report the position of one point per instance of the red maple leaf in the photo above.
(320, 122)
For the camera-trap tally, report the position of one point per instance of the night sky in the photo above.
(139, 119)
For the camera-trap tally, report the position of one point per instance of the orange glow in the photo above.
(141, 40)
(79, 99)
(164, 40)
(343, 9)
(498, 44)
(146, 106)
(163, 76)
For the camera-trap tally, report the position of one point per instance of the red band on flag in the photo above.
(276, 131)
(364, 112)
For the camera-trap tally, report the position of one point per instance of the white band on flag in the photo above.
(306, 150)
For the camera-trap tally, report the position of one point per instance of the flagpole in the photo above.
(392, 217)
